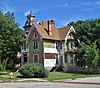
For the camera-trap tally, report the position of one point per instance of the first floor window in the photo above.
(25, 58)
(36, 58)
(66, 58)
(57, 62)
(61, 59)
(71, 59)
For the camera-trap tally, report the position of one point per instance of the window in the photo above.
(57, 62)
(35, 34)
(36, 58)
(56, 45)
(71, 59)
(71, 45)
(25, 58)
(24, 46)
(61, 59)
(35, 44)
(59, 44)
(26, 32)
(65, 57)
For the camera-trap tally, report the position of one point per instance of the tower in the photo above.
(29, 22)
(25, 47)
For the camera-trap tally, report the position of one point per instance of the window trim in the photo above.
(35, 45)
(37, 56)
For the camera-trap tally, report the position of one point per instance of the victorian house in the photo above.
(48, 45)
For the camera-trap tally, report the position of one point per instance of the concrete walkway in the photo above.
(32, 79)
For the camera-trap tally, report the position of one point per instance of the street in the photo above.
(46, 85)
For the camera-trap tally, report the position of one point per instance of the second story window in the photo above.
(35, 44)
(59, 45)
(35, 34)
(56, 45)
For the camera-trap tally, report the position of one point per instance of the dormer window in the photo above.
(26, 33)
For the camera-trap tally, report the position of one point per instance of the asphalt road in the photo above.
(46, 85)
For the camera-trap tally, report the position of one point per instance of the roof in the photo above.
(57, 33)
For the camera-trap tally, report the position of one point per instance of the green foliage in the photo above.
(11, 36)
(33, 70)
(88, 56)
(92, 55)
(3, 65)
(88, 32)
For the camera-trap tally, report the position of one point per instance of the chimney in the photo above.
(53, 22)
(49, 28)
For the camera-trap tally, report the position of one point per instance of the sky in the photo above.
(62, 11)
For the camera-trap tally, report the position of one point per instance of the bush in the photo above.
(3, 65)
(33, 70)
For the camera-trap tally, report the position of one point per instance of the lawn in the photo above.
(52, 76)
(63, 75)
(6, 77)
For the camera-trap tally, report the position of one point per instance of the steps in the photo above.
(54, 69)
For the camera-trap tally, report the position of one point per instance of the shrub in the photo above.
(33, 70)
(3, 64)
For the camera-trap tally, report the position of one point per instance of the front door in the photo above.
(57, 59)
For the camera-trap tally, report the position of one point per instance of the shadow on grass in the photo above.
(23, 77)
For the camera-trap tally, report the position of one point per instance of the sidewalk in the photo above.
(32, 79)
(89, 80)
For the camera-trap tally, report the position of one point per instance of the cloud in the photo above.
(92, 3)
(98, 3)
(33, 11)
(26, 13)
(6, 9)
(91, 6)
(62, 5)
(87, 3)
(65, 22)
(91, 9)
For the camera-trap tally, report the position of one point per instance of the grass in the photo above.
(6, 77)
(63, 75)
(52, 76)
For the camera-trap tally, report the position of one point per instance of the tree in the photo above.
(88, 32)
(92, 56)
(11, 36)
(88, 56)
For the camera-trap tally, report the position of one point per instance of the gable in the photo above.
(34, 35)
(70, 34)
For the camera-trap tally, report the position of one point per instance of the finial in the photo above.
(30, 12)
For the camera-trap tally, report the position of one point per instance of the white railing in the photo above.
(50, 50)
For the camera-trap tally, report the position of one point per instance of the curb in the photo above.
(88, 83)
(93, 83)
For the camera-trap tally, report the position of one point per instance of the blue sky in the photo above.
(62, 11)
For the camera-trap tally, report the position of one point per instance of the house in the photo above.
(48, 45)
